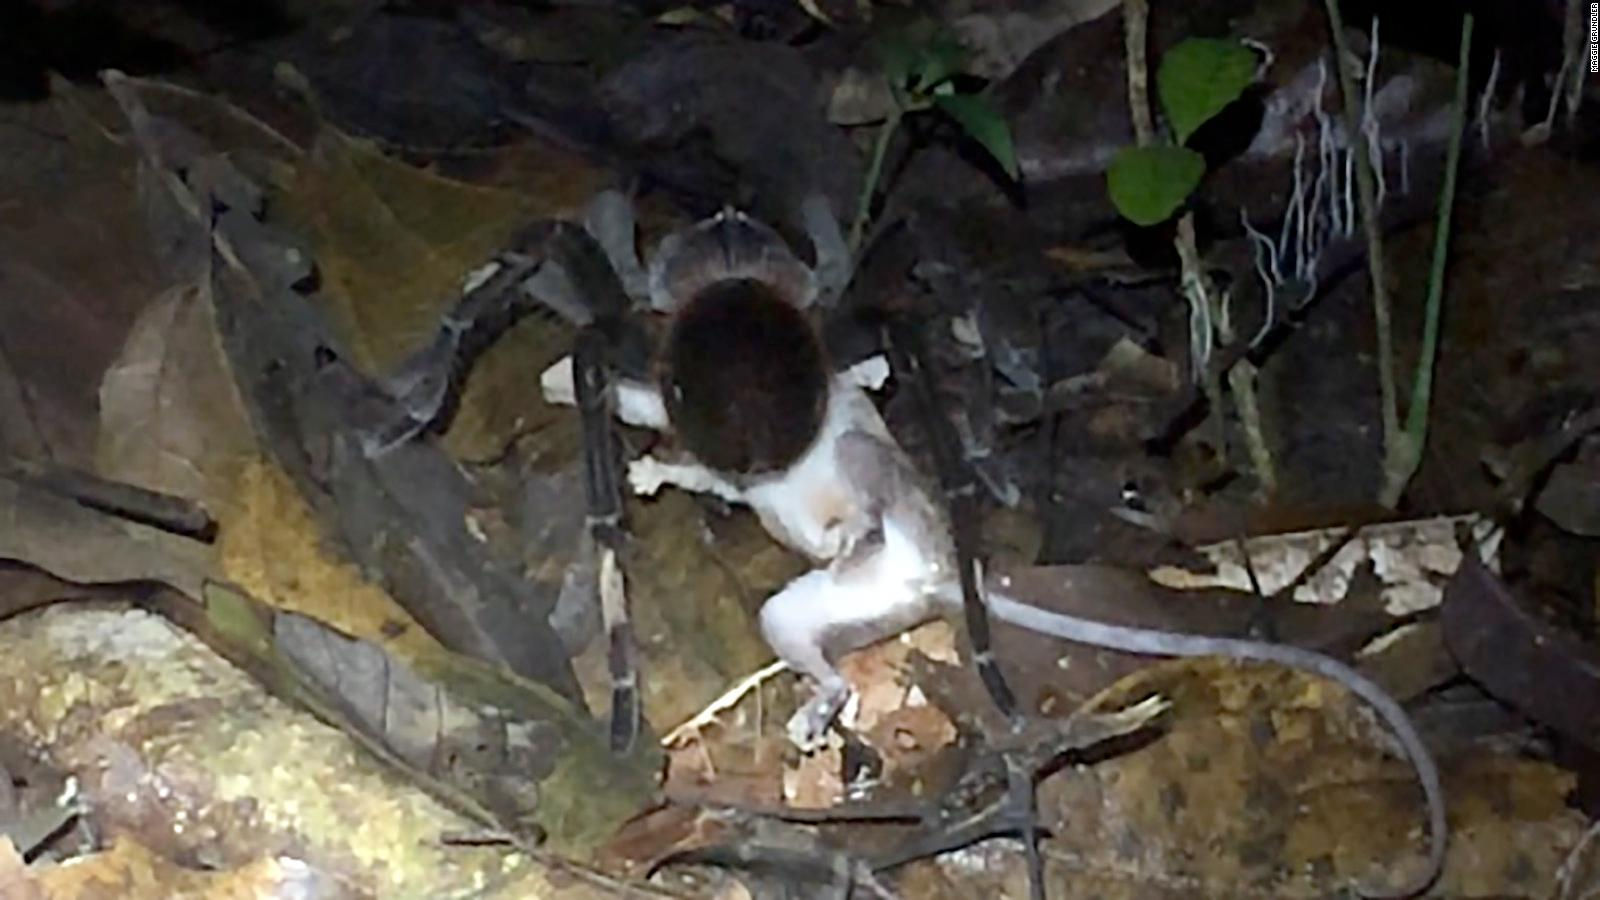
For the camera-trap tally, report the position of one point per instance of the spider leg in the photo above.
(834, 266)
(562, 267)
(577, 262)
(578, 280)
(591, 376)
(609, 218)
(960, 490)
(426, 386)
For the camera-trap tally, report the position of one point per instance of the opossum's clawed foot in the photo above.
(808, 727)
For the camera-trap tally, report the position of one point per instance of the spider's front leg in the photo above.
(593, 395)
(960, 488)
(579, 277)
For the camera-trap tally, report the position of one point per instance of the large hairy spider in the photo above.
(763, 416)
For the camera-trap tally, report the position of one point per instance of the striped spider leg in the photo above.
(960, 489)
(583, 280)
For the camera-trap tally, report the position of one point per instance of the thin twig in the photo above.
(729, 698)
(1569, 866)
(1135, 23)
(168, 512)
(1486, 101)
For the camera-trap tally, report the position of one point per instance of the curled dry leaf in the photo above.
(78, 544)
(69, 199)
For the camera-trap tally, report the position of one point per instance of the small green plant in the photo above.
(1197, 79)
(1150, 181)
(921, 63)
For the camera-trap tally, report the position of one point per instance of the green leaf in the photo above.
(938, 60)
(1199, 77)
(918, 58)
(1148, 183)
(984, 124)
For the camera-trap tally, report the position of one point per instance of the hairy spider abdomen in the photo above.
(745, 383)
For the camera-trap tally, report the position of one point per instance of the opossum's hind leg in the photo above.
(864, 596)
(960, 489)
(591, 384)
(795, 623)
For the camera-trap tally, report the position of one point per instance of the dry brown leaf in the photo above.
(78, 544)
(394, 242)
(500, 403)
(694, 599)
(77, 263)
(888, 713)
(171, 418)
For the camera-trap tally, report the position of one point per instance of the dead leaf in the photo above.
(78, 544)
(1571, 496)
(394, 242)
(171, 418)
(888, 712)
(694, 598)
(1521, 658)
(70, 199)
(273, 549)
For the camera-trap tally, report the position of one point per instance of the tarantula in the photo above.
(763, 417)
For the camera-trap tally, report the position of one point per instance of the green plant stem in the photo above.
(1416, 430)
(869, 186)
(1367, 197)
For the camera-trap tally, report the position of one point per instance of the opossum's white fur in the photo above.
(849, 503)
